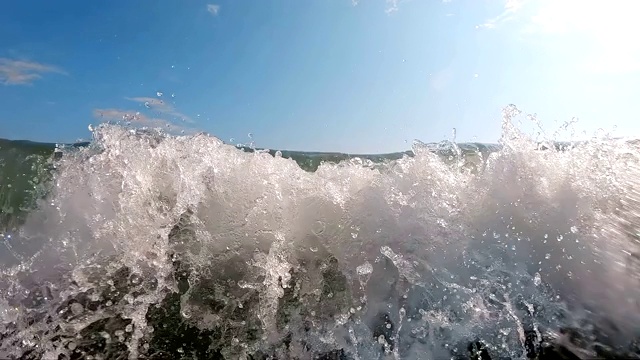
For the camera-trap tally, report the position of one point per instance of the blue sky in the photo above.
(328, 75)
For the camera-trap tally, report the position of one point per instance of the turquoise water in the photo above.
(144, 245)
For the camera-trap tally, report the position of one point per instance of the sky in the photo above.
(366, 76)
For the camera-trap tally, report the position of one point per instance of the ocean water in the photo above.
(143, 245)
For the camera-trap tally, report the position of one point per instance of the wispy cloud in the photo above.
(214, 9)
(137, 118)
(392, 6)
(23, 72)
(161, 106)
(510, 9)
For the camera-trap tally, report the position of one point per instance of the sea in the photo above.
(140, 244)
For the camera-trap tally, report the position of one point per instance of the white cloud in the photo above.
(214, 9)
(136, 118)
(510, 9)
(23, 72)
(161, 106)
(392, 6)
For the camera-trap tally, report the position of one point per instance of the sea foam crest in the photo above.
(257, 256)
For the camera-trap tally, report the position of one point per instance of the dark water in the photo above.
(144, 245)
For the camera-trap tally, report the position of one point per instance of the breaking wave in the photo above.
(145, 245)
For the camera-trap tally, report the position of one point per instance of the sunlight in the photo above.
(612, 27)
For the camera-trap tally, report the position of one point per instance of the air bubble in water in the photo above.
(159, 93)
(574, 229)
(560, 237)
(318, 228)
(77, 308)
(186, 313)
(147, 105)
(547, 256)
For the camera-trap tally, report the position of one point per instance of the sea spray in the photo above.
(146, 245)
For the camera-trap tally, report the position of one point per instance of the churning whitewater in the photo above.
(152, 246)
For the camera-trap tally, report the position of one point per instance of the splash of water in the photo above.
(250, 254)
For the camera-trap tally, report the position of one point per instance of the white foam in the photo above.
(452, 236)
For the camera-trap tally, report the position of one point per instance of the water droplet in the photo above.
(574, 229)
(128, 328)
(354, 235)
(71, 345)
(313, 249)
(278, 154)
(147, 105)
(90, 127)
(388, 326)
(546, 236)
(159, 93)
(537, 280)
(547, 256)
(560, 237)
(173, 95)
